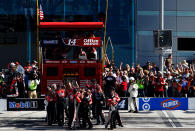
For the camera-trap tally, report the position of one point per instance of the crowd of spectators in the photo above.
(19, 82)
(175, 81)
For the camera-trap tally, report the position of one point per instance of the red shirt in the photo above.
(77, 97)
(124, 86)
(61, 93)
(68, 91)
(159, 86)
(111, 101)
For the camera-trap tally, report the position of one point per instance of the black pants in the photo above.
(99, 114)
(71, 114)
(94, 110)
(112, 123)
(51, 112)
(85, 118)
(117, 117)
(159, 93)
(60, 112)
(112, 120)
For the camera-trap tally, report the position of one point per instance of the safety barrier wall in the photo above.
(191, 103)
(144, 104)
(3, 104)
(148, 104)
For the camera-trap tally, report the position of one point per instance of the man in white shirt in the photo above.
(133, 91)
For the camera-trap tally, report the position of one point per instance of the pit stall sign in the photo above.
(147, 104)
(82, 42)
(93, 42)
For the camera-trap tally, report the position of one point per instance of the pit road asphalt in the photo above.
(142, 121)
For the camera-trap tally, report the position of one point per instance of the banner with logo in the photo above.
(122, 104)
(85, 42)
(163, 104)
(25, 104)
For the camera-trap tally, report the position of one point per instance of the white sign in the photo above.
(167, 51)
(3, 103)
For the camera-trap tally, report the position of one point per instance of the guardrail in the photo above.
(144, 104)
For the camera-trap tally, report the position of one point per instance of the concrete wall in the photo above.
(17, 51)
(179, 17)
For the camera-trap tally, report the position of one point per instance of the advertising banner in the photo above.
(163, 104)
(25, 104)
(122, 104)
(85, 42)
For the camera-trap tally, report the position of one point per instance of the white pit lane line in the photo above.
(169, 119)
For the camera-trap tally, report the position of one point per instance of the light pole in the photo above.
(161, 59)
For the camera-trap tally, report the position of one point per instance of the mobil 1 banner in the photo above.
(25, 104)
(163, 104)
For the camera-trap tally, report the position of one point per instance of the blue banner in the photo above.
(163, 104)
(25, 104)
(122, 104)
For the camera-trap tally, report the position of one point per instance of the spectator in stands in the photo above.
(146, 82)
(151, 85)
(32, 85)
(109, 83)
(34, 64)
(159, 85)
(169, 83)
(155, 69)
(140, 83)
(19, 68)
(168, 61)
(148, 64)
(123, 87)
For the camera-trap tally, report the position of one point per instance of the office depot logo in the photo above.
(170, 104)
(90, 42)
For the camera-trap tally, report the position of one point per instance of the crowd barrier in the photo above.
(144, 104)
(147, 104)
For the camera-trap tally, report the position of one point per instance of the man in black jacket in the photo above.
(98, 100)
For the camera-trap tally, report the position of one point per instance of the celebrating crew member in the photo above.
(77, 101)
(51, 98)
(113, 111)
(60, 106)
(98, 100)
(86, 102)
(70, 94)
